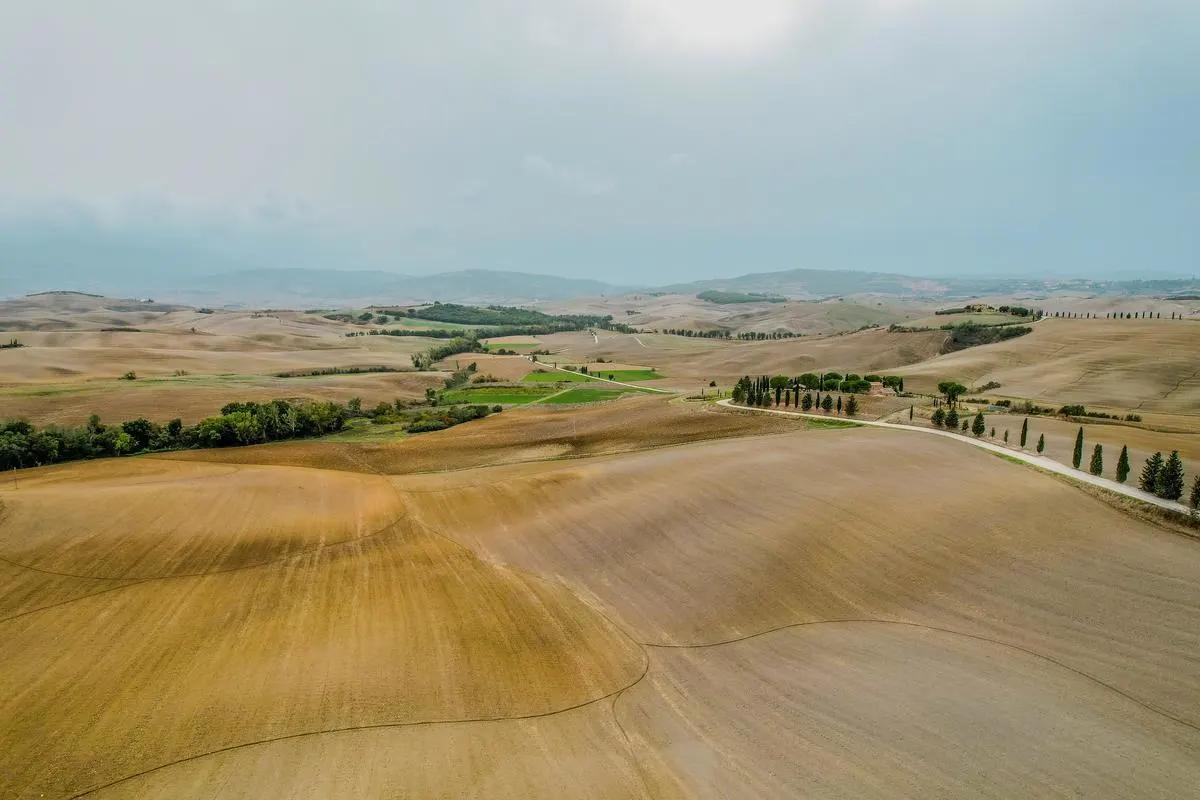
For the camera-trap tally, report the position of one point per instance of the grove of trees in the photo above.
(243, 423)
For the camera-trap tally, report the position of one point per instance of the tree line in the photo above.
(802, 392)
(1161, 477)
(1116, 315)
(241, 423)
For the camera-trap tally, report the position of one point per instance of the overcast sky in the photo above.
(633, 141)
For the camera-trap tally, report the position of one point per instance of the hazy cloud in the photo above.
(678, 138)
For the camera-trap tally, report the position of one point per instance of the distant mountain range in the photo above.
(311, 288)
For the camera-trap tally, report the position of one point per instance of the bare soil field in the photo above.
(689, 312)
(1127, 365)
(733, 616)
(531, 433)
(690, 363)
(187, 364)
(195, 397)
(400, 627)
(645, 598)
(873, 710)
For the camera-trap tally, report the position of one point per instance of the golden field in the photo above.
(651, 597)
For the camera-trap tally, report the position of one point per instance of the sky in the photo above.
(633, 141)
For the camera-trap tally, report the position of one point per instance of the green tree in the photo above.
(910, 413)
(1123, 465)
(939, 417)
(839, 404)
(952, 418)
(1077, 454)
(852, 406)
(806, 402)
(951, 390)
(827, 403)
(1097, 465)
(1194, 498)
(1041, 445)
(1169, 485)
(1006, 435)
(1024, 432)
(978, 426)
(1148, 481)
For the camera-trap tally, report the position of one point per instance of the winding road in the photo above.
(1043, 462)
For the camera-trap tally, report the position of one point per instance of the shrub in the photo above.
(425, 425)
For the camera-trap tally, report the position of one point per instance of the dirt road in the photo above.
(1038, 461)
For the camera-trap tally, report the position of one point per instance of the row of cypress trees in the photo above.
(761, 391)
(1161, 477)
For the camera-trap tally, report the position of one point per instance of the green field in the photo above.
(503, 395)
(626, 375)
(362, 430)
(516, 347)
(587, 394)
(555, 376)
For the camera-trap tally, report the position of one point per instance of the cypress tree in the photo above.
(778, 395)
(839, 404)
(1170, 481)
(910, 413)
(992, 435)
(1024, 432)
(1123, 465)
(978, 426)
(1149, 479)
(1097, 465)
(1077, 456)
(1041, 445)
(952, 419)
(1006, 435)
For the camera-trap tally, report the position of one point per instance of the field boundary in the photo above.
(605, 380)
